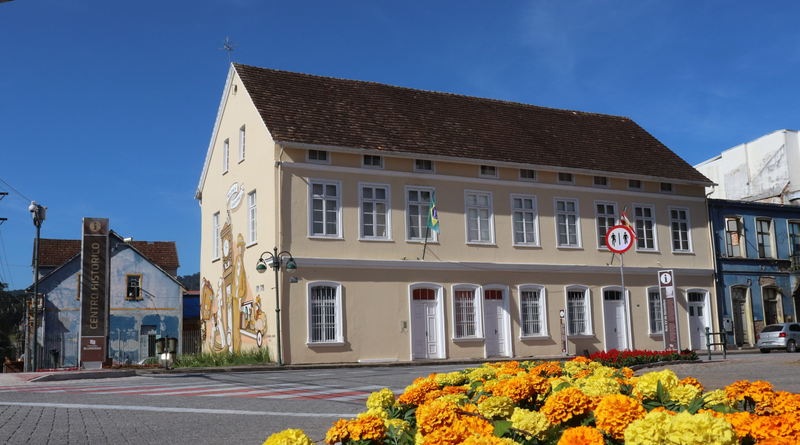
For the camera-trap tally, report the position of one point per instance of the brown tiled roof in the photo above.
(55, 252)
(303, 108)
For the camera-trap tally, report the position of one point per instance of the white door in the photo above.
(615, 326)
(697, 320)
(424, 331)
(495, 334)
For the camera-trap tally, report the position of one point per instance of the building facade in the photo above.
(764, 170)
(145, 299)
(758, 266)
(342, 174)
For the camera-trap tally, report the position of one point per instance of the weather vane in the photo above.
(228, 46)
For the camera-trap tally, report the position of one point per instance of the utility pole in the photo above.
(39, 214)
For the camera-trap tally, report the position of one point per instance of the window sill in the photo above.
(325, 237)
(648, 250)
(539, 246)
(682, 252)
(421, 241)
(324, 344)
(254, 243)
(467, 339)
(570, 247)
(240, 161)
(214, 260)
(534, 337)
(580, 336)
(379, 240)
(481, 243)
(657, 335)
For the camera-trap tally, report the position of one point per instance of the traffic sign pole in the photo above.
(619, 239)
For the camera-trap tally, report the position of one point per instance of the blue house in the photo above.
(146, 300)
(757, 249)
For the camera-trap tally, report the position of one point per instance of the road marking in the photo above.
(162, 409)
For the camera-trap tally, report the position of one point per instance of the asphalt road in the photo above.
(245, 408)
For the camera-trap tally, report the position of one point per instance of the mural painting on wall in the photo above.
(230, 312)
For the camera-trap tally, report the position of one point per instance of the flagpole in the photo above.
(427, 232)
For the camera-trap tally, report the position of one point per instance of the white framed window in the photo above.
(764, 237)
(324, 209)
(226, 149)
(325, 314)
(734, 237)
(635, 184)
(679, 225)
(372, 161)
(525, 220)
(566, 178)
(241, 144)
(655, 316)
(533, 311)
(466, 308)
(568, 225)
(318, 157)
(667, 187)
(424, 166)
(602, 182)
(644, 221)
(579, 315)
(606, 217)
(418, 207)
(794, 238)
(479, 216)
(527, 175)
(252, 218)
(375, 214)
(215, 241)
(487, 171)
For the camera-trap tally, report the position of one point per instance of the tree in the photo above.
(12, 310)
(190, 282)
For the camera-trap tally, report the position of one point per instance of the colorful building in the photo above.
(342, 174)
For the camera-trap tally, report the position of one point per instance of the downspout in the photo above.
(717, 271)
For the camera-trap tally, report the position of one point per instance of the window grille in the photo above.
(576, 306)
(323, 314)
(656, 316)
(465, 313)
(531, 313)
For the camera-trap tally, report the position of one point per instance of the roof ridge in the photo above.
(443, 93)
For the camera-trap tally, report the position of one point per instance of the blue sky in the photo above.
(107, 108)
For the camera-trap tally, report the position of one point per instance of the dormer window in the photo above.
(373, 161)
(667, 187)
(319, 157)
(601, 181)
(527, 175)
(566, 178)
(635, 184)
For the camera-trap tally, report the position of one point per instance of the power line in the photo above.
(15, 190)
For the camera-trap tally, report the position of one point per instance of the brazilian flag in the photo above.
(433, 215)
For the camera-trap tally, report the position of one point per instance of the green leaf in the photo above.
(562, 385)
(501, 427)
(660, 391)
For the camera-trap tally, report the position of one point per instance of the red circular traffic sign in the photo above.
(619, 239)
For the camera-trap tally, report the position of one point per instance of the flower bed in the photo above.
(580, 402)
(620, 359)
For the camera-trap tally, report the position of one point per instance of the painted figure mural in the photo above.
(235, 315)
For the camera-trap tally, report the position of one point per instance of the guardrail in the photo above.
(724, 342)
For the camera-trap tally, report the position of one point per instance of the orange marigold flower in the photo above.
(740, 422)
(716, 414)
(337, 433)
(659, 409)
(692, 381)
(565, 404)
(435, 415)
(582, 435)
(627, 372)
(786, 402)
(433, 395)
(615, 412)
(581, 374)
(475, 424)
(455, 390)
(759, 391)
(483, 440)
(736, 390)
(549, 369)
(581, 359)
(767, 427)
(366, 428)
(511, 364)
(415, 394)
(778, 441)
(520, 388)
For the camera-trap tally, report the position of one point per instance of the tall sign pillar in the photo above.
(666, 282)
(94, 293)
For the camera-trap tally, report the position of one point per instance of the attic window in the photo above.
(488, 171)
(566, 178)
(133, 287)
(373, 161)
(635, 184)
(423, 166)
(527, 175)
(318, 157)
(667, 187)
(235, 89)
(601, 181)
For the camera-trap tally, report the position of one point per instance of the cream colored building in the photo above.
(340, 173)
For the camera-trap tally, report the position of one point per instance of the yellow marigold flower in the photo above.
(434, 415)
(740, 422)
(684, 394)
(582, 435)
(366, 428)
(289, 437)
(454, 398)
(647, 385)
(533, 422)
(337, 433)
(381, 399)
(717, 397)
(401, 425)
(786, 402)
(615, 412)
(700, 429)
(604, 371)
(692, 381)
(481, 374)
(375, 412)
(573, 367)
(451, 378)
(566, 404)
(651, 430)
(596, 386)
(509, 441)
(497, 407)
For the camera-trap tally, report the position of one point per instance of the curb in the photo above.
(84, 375)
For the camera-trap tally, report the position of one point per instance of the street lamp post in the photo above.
(39, 214)
(274, 260)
